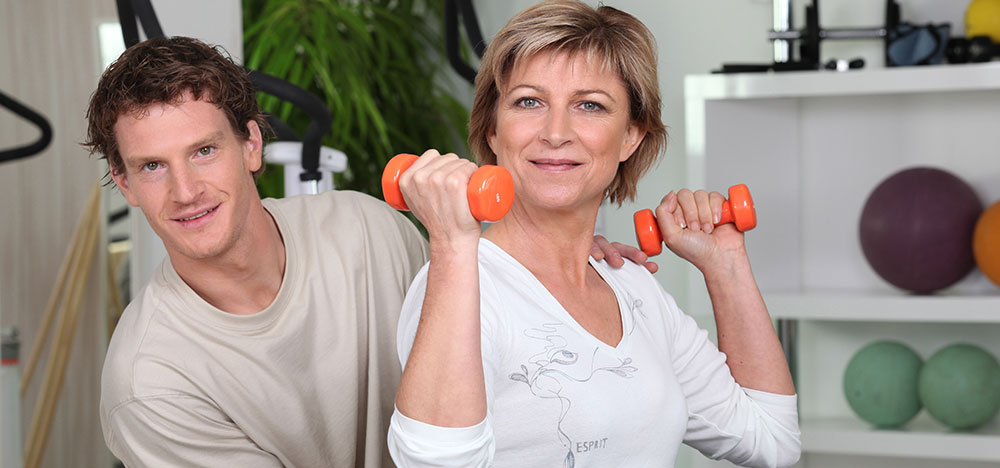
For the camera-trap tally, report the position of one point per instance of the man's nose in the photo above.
(186, 184)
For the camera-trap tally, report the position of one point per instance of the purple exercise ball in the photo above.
(916, 229)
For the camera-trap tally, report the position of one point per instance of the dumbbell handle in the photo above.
(490, 192)
(738, 210)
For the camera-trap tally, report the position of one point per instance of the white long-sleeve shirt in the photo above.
(558, 396)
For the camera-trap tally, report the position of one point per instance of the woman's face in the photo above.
(562, 129)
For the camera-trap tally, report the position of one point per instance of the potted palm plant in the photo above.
(378, 65)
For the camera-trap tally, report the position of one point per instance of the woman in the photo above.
(521, 350)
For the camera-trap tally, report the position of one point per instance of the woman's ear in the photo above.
(633, 137)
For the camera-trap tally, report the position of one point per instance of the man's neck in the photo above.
(246, 278)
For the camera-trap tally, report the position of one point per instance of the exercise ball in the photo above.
(982, 18)
(960, 386)
(880, 383)
(916, 229)
(986, 243)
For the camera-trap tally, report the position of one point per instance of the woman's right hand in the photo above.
(435, 189)
(442, 382)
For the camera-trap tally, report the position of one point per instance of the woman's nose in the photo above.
(556, 129)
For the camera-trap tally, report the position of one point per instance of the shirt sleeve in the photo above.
(180, 431)
(725, 421)
(415, 444)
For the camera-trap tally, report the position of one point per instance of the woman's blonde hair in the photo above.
(617, 38)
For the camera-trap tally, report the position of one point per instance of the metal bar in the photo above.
(781, 12)
(853, 33)
(835, 33)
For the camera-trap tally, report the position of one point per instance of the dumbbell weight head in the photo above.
(980, 49)
(740, 207)
(647, 232)
(390, 180)
(491, 193)
(957, 50)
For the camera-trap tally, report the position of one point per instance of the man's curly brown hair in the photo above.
(162, 70)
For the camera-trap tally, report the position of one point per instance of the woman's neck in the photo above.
(550, 243)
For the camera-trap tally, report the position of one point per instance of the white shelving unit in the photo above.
(811, 146)
(922, 438)
(882, 307)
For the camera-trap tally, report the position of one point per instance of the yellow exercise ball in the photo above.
(986, 243)
(982, 18)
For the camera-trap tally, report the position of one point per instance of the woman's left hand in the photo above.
(687, 222)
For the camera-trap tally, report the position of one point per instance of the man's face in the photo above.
(190, 174)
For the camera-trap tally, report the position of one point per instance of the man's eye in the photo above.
(151, 166)
(205, 151)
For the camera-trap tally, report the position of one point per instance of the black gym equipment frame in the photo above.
(35, 118)
(452, 10)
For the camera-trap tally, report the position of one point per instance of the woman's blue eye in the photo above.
(592, 106)
(527, 102)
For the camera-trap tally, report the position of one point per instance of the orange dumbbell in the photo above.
(491, 188)
(737, 210)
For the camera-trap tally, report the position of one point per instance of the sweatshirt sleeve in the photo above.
(180, 431)
(726, 421)
(413, 443)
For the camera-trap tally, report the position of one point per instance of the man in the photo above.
(267, 336)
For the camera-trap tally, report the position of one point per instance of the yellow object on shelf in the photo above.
(982, 18)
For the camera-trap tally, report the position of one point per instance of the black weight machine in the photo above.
(453, 10)
(905, 44)
(36, 119)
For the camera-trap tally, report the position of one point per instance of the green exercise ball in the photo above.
(960, 386)
(880, 383)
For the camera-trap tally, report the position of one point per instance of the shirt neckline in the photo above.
(199, 309)
(602, 270)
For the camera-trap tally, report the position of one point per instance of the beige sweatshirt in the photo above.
(307, 382)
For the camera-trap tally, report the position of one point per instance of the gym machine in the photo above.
(453, 9)
(36, 119)
(10, 399)
(905, 44)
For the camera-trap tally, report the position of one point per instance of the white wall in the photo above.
(50, 62)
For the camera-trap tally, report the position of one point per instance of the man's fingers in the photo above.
(610, 251)
(632, 253)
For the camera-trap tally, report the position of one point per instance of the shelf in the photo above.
(929, 79)
(922, 438)
(885, 307)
